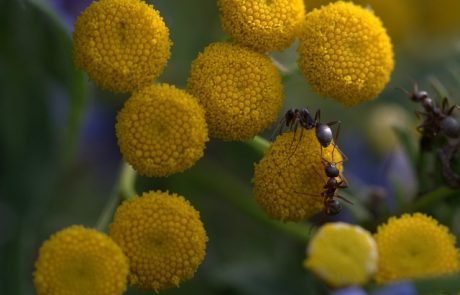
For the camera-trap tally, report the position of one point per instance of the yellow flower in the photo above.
(161, 130)
(78, 260)
(415, 246)
(399, 16)
(122, 44)
(163, 237)
(342, 254)
(287, 181)
(345, 53)
(260, 24)
(240, 90)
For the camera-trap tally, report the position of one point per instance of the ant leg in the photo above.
(278, 129)
(444, 105)
(317, 116)
(343, 198)
(452, 109)
(403, 90)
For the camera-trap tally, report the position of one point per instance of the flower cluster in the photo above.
(157, 240)
(240, 90)
(409, 247)
(155, 136)
(342, 254)
(122, 44)
(287, 181)
(262, 25)
(78, 260)
(345, 53)
(163, 238)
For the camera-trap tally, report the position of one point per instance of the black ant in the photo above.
(330, 196)
(295, 117)
(436, 120)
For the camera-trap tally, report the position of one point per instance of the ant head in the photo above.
(331, 170)
(324, 134)
(332, 206)
(416, 95)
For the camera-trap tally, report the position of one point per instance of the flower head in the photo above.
(78, 260)
(161, 130)
(287, 181)
(415, 246)
(163, 238)
(122, 44)
(240, 90)
(262, 25)
(342, 254)
(345, 53)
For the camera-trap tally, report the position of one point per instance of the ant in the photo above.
(332, 206)
(295, 117)
(436, 120)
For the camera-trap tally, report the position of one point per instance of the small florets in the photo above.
(287, 181)
(342, 254)
(161, 130)
(345, 53)
(240, 90)
(415, 246)
(122, 44)
(163, 238)
(262, 25)
(78, 260)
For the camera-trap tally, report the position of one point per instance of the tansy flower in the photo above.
(288, 180)
(163, 237)
(260, 24)
(415, 246)
(345, 53)
(78, 260)
(161, 130)
(122, 44)
(240, 90)
(342, 254)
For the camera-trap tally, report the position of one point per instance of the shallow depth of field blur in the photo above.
(59, 159)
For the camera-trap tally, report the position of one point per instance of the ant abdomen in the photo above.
(450, 127)
(324, 134)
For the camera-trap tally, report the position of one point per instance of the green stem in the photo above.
(123, 190)
(236, 192)
(427, 200)
(259, 144)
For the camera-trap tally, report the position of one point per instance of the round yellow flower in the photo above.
(342, 254)
(163, 237)
(122, 44)
(288, 180)
(78, 260)
(262, 25)
(240, 90)
(415, 246)
(161, 130)
(345, 53)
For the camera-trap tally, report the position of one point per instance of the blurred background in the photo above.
(59, 159)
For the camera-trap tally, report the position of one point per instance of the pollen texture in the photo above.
(342, 255)
(121, 44)
(415, 246)
(163, 238)
(161, 130)
(78, 260)
(345, 53)
(262, 25)
(240, 90)
(289, 179)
